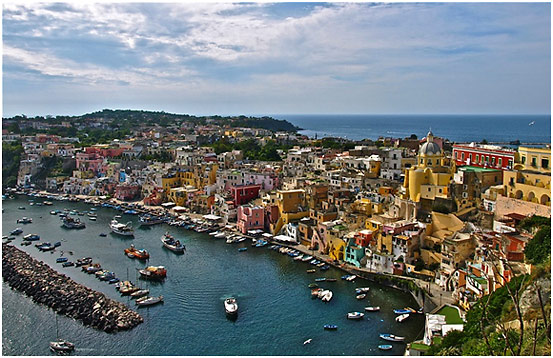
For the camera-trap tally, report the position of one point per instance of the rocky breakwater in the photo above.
(65, 296)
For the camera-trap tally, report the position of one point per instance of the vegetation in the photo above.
(537, 250)
(11, 155)
(334, 143)
(251, 149)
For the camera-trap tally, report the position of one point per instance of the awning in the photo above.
(167, 205)
(211, 217)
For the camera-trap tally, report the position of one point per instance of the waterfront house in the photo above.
(250, 218)
(243, 194)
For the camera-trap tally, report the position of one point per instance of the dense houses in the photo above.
(414, 208)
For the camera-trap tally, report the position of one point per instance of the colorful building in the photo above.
(250, 218)
(484, 156)
(243, 194)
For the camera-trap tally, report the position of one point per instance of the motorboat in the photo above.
(355, 315)
(153, 272)
(121, 229)
(362, 289)
(391, 337)
(315, 292)
(231, 306)
(172, 244)
(148, 220)
(71, 223)
(92, 218)
(320, 279)
(31, 237)
(372, 309)
(311, 271)
(24, 220)
(298, 258)
(361, 296)
(61, 259)
(307, 258)
(83, 261)
(68, 264)
(148, 301)
(402, 317)
(103, 234)
(351, 278)
(135, 253)
(385, 347)
(402, 311)
(331, 327)
(327, 296)
(62, 346)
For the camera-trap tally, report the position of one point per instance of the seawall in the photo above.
(65, 296)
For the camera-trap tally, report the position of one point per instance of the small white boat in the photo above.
(140, 293)
(391, 337)
(121, 229)
(214, 233)
(361, 296)
(61, 346)
(327, 296)
(402, 317)
(219, 235)
(299, 257)
(307, 258)
(148, 301)
(372, 309)
(351, 278)
(362, 289)
(355, 315)
(231, 306)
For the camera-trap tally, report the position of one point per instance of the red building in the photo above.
(127, 192)
(243, 194)
(363, 238)
(484, 156)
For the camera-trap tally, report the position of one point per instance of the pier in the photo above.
(65, 296)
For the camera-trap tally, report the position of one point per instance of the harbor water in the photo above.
(276, 311)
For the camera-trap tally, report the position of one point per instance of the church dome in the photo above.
(430, 147)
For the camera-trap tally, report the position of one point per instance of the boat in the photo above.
(330, 280)
(25, 243)
(312, 285)
(320, 279)
(68, 263)
(61, 345)
(385, 347)
(49, 203)
(532, 123)
(53, 212)
(327, 296)
(391, 337)
(242, 249)
(130, 212)
(362, 289)
(83, 261)
(148, 220)
(31, 237)
(330, 327)
(121, 229)
(231, 306)
(310, 271)
(61, 259)
(92, 218)
(24, 220)
(134, 253)
(71, 223)
(402, 317)
(315, 292)
(46, 247)
(128, 289)
(325, 267)
(153, 272)
(140, 293)
(230, 240)
(361, 296)
(174, 245)
(355, 315)
(103, 235)
(372, 309)
(16, 231)
(298, 258)
(21, 208)
(307, 258)
(148, 301)
(403, 311)
(351, 278)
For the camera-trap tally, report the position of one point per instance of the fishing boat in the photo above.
(330, 327)
(148, 220)
(83, 261)
(355, 315)
(231, 306)
(135, 253)
(139, 293)
(121, 229)
(148, 301)
(24, 220)
(153, 272)
(361, 296)
(402, 317)
(372, 309)
(385, 347)
(391, 337)
(16, 231)
(71, 223)
(311, 271)
(31, 237)
(170, 243)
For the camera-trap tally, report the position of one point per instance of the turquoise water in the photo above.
(457, 128)
(276, 312)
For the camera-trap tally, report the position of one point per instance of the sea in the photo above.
(276, 312)
(457, 128)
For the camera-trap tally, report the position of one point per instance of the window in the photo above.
(477, 157)
(429, 189)
(493, 160)
(545, 163)
(463, 156)
(523, 159)
(500, 161)
(534, 162)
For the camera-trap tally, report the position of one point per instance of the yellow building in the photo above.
(535, 159)
(430, 178)
(291, 207)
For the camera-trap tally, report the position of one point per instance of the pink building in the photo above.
(250, 218)
(86, 161)
(127, 192)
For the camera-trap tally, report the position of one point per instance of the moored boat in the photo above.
(385, 347)
(61, 346)
(231, 306)
(71, 223)
(330, 327)
(135, 253)
(16, 231)
(153, 272)
(31, 237)
(121, 229)
(402, 311)
(327, 296)
(391, 337)
(148, 301)
(315, 292)
(372, 309)
(140, 293)
(361, 296)
(402, 317)
(170, 243)
(311, 271)
(242, 249)
(24, 220)
(362, 289)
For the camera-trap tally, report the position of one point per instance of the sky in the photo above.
(277, 58)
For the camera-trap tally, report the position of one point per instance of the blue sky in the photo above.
(263, 58)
